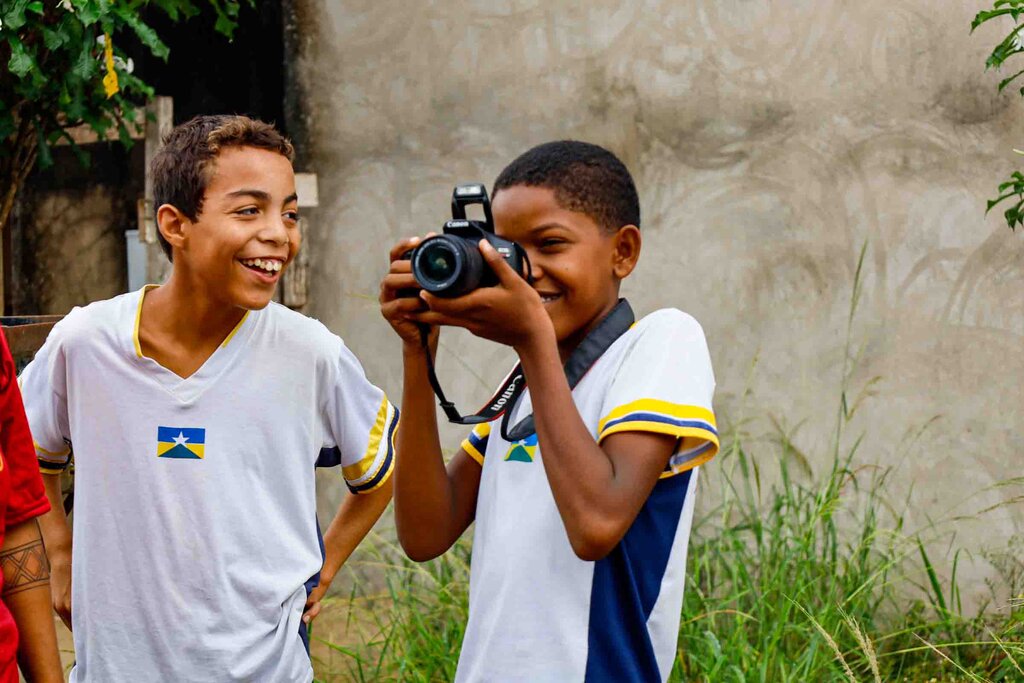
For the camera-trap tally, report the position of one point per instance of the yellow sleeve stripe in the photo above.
(476, 443)
(43, 453)
(387, 465)
(660, 410)
(472, 451)
(688, 465)
(361, 470)
(684, 433)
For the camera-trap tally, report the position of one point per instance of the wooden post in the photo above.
(294, 290)
(159, 122)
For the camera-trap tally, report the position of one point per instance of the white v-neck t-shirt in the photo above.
(195, 508)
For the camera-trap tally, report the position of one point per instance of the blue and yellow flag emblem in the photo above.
(522, 451)
(180, 442)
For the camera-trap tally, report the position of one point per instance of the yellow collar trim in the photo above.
(138, 320)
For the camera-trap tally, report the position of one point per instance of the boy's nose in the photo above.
(274, 231)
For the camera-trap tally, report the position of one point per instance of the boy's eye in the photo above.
(551, 243)
(248, 211)
(292, 216)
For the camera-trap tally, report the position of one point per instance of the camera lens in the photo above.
(447, 265)
(437, 262)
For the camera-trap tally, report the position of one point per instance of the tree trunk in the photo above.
(14, 169)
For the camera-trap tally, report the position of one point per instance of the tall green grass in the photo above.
(812, 577)
(816, 582)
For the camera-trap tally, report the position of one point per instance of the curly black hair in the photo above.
(584, 177)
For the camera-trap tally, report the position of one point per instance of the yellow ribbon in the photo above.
(110, 80)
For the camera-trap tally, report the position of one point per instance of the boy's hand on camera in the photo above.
(509, 313)
(398, 310)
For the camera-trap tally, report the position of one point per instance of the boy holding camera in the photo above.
(582, 513)
(196, 410)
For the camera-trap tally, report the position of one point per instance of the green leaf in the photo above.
(145, 33)
(43, 150)
(85, 64)
(16, 15)
(987, 15)
(225, 25)
(1006, 81)
(36, 7)
(89, 11)
(53, 40)
(20, 62)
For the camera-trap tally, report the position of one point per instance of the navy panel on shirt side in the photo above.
(626, 587)
(329, 457)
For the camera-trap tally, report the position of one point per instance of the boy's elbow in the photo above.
(594, 541)
(418, 554)
(416, 549)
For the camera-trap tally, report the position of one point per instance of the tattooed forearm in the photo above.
(24, 567)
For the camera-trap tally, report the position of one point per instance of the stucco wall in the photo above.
(770, 141)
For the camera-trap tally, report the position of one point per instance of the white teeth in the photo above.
(269, 265)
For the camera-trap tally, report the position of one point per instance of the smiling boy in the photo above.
(579, 551)
(196, 410)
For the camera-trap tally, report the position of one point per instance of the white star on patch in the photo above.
(180, 439)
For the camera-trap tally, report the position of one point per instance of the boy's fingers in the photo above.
(312, 612)
(64, 612)
(457, 307)
(400, 266)
(396, 281)
(435, 318)
(498, 264)
(398, 251)
(401, 308)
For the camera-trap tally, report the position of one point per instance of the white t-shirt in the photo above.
(538, 613)
(195, 509)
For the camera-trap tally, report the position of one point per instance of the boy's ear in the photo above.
(627, 251)
(173, 225)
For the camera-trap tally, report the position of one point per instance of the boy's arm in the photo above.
(434, 504)
(356, 516)
(26, 594)
(599, 489)
(56, 535)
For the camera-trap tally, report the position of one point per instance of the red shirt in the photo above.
(22, 496)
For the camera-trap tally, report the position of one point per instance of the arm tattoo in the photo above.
(24, 567)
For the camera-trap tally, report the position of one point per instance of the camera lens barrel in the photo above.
(448, 265)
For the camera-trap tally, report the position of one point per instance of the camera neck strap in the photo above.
(593, 346)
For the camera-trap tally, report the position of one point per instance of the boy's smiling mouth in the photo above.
(265, 267)
(547, 298)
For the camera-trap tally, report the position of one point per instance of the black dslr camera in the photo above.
(450, 265)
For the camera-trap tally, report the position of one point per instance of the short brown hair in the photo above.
(181, 168)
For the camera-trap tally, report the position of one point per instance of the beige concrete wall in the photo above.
(770, 140)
